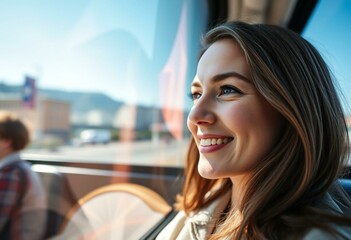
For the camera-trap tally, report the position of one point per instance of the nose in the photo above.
(202, 113)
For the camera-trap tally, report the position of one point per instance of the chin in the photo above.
(206, 170)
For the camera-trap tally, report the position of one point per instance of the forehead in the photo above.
(222, 56)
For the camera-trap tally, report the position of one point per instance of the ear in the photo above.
(9, 143)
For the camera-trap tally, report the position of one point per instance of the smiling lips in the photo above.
(214, 141)
(208, 145)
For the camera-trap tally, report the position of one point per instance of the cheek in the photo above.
(192, 128)
(256, 127)
(263, 126)
(238, 118)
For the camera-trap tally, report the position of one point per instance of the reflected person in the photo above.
(22, 198)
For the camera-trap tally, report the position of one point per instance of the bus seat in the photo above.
(60, 198)
(115, 211)
(346, 185)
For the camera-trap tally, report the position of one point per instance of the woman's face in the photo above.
(5, 147)
(233, 125)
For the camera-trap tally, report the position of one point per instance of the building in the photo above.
(49, 118)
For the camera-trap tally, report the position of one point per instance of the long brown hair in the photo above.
(282, 195)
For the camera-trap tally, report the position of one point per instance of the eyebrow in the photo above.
(223, 76)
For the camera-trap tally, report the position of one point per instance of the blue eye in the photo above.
(194, 96)
(229, 90)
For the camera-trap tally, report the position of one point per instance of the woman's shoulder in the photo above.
(196, 225)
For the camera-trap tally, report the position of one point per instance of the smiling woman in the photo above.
(229, 109)
(269, 141)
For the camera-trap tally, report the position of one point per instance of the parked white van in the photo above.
(94, 136)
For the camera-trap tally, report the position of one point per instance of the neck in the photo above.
(5, 152)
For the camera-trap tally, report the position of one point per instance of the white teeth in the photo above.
(213, 141)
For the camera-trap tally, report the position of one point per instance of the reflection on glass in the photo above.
(22, 197)
(116, 66)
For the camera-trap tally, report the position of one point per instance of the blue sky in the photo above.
(116, 47)
(329, 31)
(87, 45)
(60, 41)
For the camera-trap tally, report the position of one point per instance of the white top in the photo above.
(198, 225)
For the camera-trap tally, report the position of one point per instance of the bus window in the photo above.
(103, 86)
(118, 67)
(327, 30)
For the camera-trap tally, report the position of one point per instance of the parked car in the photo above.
(95, 136)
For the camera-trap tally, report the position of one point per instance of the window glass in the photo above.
(101, 81)
(328, 30)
